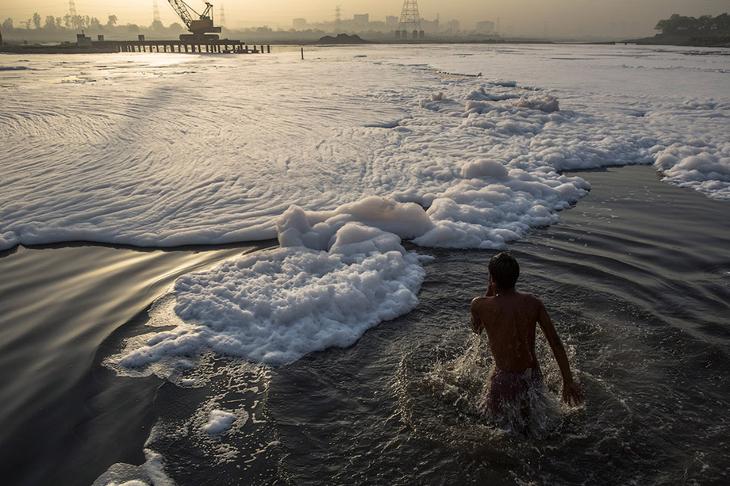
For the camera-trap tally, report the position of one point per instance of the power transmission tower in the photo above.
(155, 12)
(338, 17)
(74, 19)
(410, 21)
(222, 17)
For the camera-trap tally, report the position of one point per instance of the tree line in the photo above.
(52, 23)
(704, 26)
(50, 26)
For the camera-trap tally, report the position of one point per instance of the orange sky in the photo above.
(519, 16)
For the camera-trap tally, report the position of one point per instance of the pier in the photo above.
(187, 46)
(217, 46)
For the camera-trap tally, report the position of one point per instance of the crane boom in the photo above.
(182, 10)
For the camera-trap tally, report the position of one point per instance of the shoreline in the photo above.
(72, 49)
(680, 41)
(9, 48)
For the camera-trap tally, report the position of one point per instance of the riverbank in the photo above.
(66, 48)
(109, 46)
(684, 41)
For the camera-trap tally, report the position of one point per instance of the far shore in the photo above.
(18, 47)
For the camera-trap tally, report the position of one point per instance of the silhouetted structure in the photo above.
(187, 45)
(222, 16)
(200, 24)
(83, 40)
(203, 38)
(410, 22)
(155, 11)
(204, 34)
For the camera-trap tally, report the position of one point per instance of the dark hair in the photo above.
(504, 270)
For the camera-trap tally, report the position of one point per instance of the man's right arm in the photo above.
(476, 323)
(572, 393)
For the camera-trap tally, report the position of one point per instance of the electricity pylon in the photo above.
(155, 12)
(410, 21)
(222, 17)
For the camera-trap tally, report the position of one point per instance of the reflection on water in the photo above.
(650, 348)
(635, 277)
(58, 306)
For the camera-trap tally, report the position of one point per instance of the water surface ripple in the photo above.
(637, 278)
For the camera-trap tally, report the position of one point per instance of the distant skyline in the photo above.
(554, 18)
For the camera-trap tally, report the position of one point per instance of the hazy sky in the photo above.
(554, 17)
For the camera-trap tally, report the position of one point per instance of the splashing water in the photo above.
(443, 397)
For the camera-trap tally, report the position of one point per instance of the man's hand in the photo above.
(572, 393)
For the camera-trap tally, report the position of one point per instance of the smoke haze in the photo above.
(550, 18)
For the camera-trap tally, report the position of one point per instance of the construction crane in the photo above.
(200, 24)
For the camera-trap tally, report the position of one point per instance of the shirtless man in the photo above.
(509, 317)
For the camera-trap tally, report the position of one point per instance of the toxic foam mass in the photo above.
(219, 422)
(340, 169)
(276, 306)
(140, 154)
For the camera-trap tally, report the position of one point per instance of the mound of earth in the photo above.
(342, 39)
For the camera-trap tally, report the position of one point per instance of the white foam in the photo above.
(150, 473)
(545, 103)
(484, 168)
(316, 230)
(276, 306)
(124, 160)
(698, 168)
(499, 207)
(339, 176)
(219, 422)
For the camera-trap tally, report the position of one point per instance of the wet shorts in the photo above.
(511, 388)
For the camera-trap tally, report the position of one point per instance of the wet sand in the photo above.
(637, 278)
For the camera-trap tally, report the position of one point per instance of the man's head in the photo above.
(504, 270)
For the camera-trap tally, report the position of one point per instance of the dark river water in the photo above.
(636, 277)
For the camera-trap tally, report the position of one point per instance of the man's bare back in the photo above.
(509, 319)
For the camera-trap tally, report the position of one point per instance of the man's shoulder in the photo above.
(481, 302)
(531, 299)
